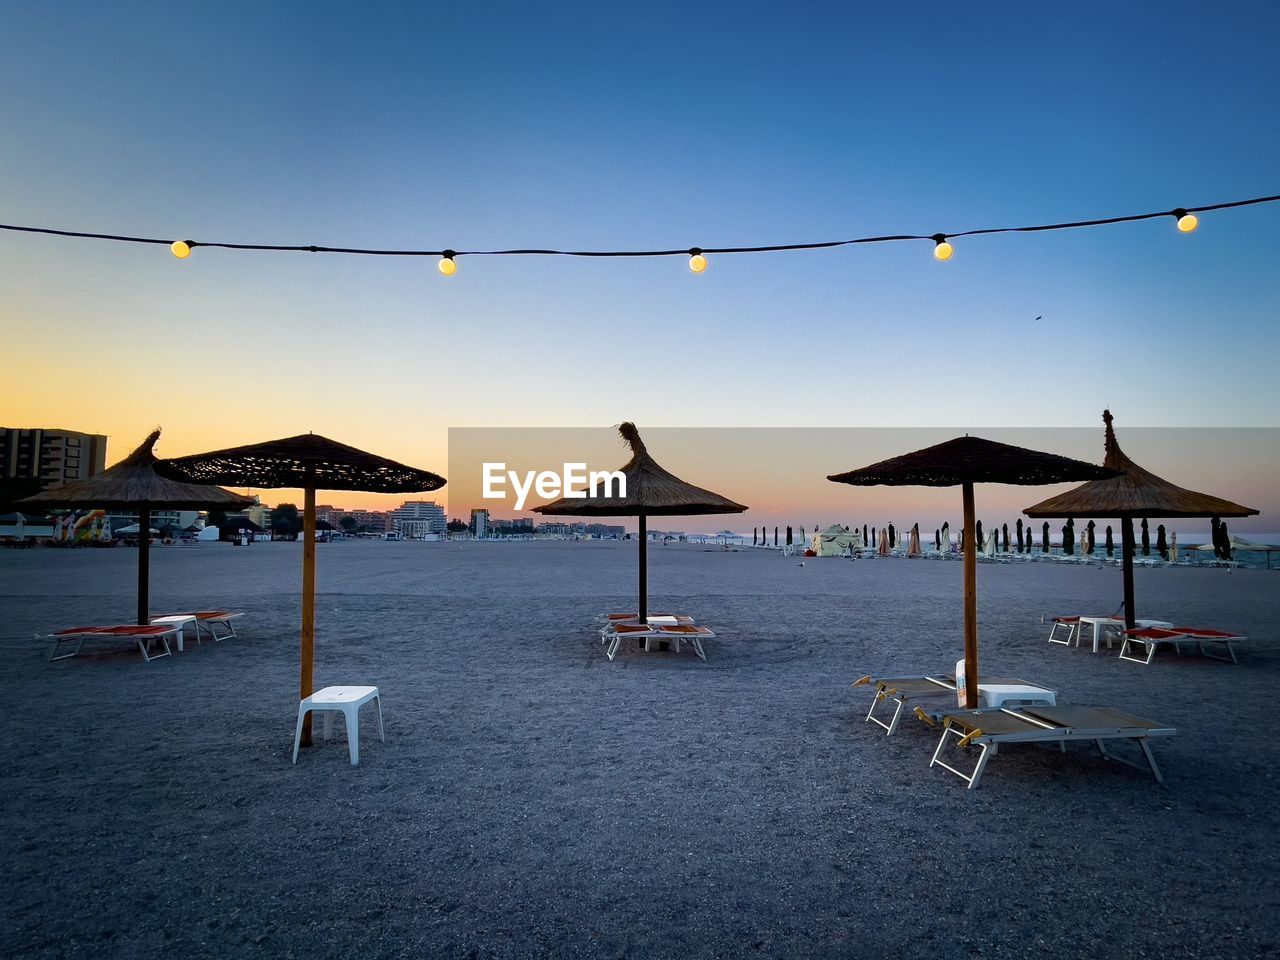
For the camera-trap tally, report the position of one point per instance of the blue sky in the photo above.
(655, 125)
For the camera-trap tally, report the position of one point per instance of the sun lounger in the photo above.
(988, 729)
(143, 634)
(680, 633)
(1140, 645)
(1203, 636)
(211, 621)
(992, 691)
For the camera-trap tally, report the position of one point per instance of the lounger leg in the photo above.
(79, 642)
(897, 714)
(297, 734)
(1231, 654)
(612, 649)
(982, 765)
(702, 654)
(382, 734)
(1151, 759)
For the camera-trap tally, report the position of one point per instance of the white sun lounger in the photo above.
(988, 729)
(992, 691)
(614, 634)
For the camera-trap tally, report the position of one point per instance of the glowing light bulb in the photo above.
(447, 266)
(180, 249)
(697, 262)
(1186, 221)
(941, 249)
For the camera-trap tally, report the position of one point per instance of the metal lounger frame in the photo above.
(884, 692)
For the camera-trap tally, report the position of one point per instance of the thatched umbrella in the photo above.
(1134, 492)
(966, 461)
(133, 484)
(313, 463)
(651, 491)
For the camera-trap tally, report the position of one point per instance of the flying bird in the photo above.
(1040, 318)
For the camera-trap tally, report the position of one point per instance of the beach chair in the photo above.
(143, 634)
(1202, 636)
(1140, 645)
(992, 691)
(988, 729)
(675, 635)
(211, 621)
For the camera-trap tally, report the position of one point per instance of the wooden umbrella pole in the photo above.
(307, 686)
(644, 569)
(144, 564)
(1126, 561)
(970, 601)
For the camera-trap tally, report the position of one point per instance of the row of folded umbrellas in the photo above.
(1116, 488)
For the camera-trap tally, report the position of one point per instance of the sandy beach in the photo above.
(534, 799)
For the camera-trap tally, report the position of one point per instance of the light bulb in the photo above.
(1186, 221)
(447, 266)
(697, 262)
(941, 249)
(180, 249)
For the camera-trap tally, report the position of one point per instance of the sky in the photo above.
(623, 126)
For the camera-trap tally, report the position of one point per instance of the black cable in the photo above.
(682, 251)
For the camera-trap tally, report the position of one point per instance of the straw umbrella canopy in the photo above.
(133, 484)
(1132, 493)
(964, 462)
(313, 463)
(651, 491)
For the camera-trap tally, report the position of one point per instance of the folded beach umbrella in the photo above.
(1091, 540)
(1044, 538)
(313, 463)
(1173, 547)
(1146, 539)
(651, 491)
(134, 485)
(964, 462)
(1111, 542)
(913, 547)
(1132, 492)
(1162, 545)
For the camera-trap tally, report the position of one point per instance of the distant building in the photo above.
(54, 456)
(414, 519)
(480, 523)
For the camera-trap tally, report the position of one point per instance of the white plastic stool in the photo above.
(344, 700)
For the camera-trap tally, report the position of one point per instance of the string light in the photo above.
(1186, 221)
(942, 250)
